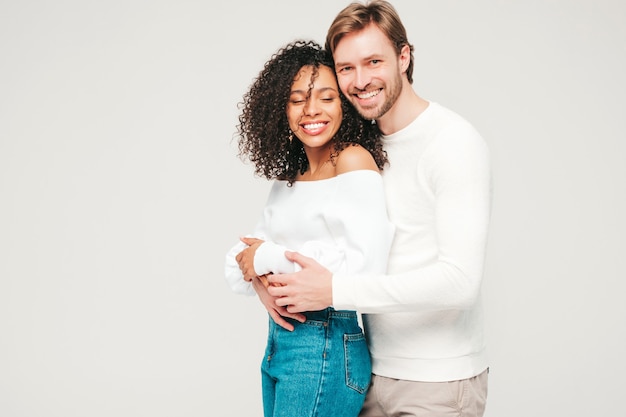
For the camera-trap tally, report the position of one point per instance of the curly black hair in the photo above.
(263, 130)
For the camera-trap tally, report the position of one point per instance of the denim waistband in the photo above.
(328, 313)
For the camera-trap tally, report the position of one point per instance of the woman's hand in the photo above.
(245, 258)
(277, 313)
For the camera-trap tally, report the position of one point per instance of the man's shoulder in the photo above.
(445, 116)
(449, 131)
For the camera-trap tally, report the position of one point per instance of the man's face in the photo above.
(368, 71)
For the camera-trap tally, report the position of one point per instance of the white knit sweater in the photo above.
(341, 222)
(426, 321)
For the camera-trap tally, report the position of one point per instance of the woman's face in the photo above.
(316, 119)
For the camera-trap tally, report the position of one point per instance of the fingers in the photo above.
(283, 312)
(277, 280)
(287, 309)
(263, 279)
(277, 312)
(245, 258)
(292, 303)
(275, 288)
(278, 319)
(247, 270)
(296, 316)
(249, 277)
(250, 240)
(258, 287)
(297, 257)
(294, 309)
(280, 301)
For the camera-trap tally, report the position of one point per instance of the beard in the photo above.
(374, 112)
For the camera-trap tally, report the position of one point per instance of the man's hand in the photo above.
(277, 313)
(245, 258)
(307, 290)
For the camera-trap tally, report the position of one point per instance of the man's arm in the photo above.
(309, 289)
(462, 186)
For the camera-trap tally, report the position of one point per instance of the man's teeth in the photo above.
(368, 94)
(314, 126)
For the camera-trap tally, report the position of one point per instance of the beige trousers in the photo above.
(389, 397)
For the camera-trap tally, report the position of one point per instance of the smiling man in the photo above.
(423, 318)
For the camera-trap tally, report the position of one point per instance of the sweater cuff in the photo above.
(270, 258)
(341, 287)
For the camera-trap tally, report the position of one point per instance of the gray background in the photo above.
(120, 193)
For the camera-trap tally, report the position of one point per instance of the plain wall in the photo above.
(120, 193)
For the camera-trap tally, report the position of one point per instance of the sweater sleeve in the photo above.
(456, 169)
(359, 224)
(232, 272)
(269, 257)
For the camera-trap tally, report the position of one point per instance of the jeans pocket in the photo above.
(358, 362)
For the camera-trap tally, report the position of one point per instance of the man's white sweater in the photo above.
(424, 320)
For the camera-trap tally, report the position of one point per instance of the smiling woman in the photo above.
(314, 114)
(327, 201)
(120, 192)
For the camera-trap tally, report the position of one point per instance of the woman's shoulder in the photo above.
(353, 158)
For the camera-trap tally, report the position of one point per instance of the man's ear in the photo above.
(405, 58)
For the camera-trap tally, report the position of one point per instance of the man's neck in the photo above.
(405, 110)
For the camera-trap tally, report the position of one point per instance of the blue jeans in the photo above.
(321, 369)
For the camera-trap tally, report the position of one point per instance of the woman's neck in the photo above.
(321, 165)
